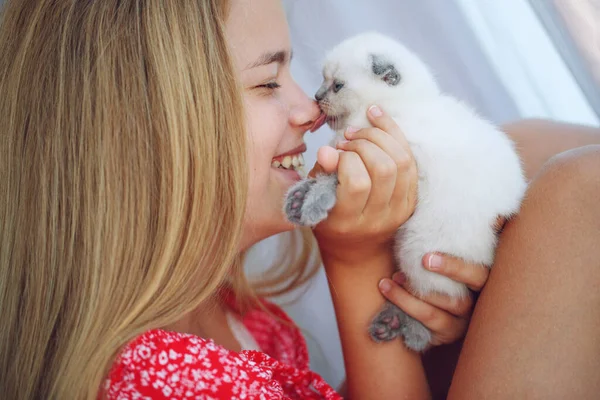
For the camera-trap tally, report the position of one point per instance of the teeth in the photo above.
(289, 162)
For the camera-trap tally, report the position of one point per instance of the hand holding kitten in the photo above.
(376, 191)
(446, 317)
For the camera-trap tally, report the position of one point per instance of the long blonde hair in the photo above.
(115, 214)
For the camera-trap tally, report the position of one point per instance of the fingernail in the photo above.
(385, 286)
(399, 278)
(375, 111)
(350, 130)
(434, 261)
(342, 143)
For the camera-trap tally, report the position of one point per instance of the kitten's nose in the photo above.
(320, 95)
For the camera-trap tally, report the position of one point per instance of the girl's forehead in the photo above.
(255, 27)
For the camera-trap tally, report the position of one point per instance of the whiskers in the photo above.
(325, 105)
(334, 120)
(335, 124)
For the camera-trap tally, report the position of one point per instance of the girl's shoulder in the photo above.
(164, 364)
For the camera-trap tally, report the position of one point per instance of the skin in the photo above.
(376, 195)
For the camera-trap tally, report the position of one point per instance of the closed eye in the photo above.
(270, 85)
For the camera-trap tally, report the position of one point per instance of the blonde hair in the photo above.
(115, 115)
(116, 216)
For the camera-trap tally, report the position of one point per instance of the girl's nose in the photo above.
(305, 113)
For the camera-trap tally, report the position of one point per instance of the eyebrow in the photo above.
(279, 57)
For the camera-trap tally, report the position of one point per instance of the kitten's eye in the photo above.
(337, 86)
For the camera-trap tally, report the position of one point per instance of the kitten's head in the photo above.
(370, 69)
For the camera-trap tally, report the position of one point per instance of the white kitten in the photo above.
(468, 170)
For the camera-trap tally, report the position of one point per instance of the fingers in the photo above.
(354, 185)
(387, 124)
(328, 159)
(471, 274)
(379, 137)
(368, 169)
(387, 136)
(405, 194)
(439, 321)
(381, 169)
(457, 306)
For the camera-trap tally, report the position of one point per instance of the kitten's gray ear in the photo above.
(385, 69)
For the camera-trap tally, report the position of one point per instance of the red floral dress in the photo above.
(167, 365)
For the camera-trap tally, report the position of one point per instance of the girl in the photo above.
(138, 139)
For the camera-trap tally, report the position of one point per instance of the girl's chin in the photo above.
(249, 241)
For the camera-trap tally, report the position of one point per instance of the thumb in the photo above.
(327, 161)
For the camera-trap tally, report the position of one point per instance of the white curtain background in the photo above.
(574, 27)
(495, 55)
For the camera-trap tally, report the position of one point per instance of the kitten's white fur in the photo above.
(468, 170)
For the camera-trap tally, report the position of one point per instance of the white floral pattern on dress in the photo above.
(168, 365)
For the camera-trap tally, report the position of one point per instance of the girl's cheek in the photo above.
(274, 117)
(267, 120)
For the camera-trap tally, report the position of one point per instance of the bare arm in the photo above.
(376, 193)
(538, 140)
(373, 371)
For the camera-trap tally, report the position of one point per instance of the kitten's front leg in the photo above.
(309, 201)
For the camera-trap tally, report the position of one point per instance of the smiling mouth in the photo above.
(290, 162)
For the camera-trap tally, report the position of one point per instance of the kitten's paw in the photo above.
(308, 201)
(392, 322)
(388, 324)
(295, 200)
(416, 336)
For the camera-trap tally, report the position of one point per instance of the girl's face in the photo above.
(278, 112)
